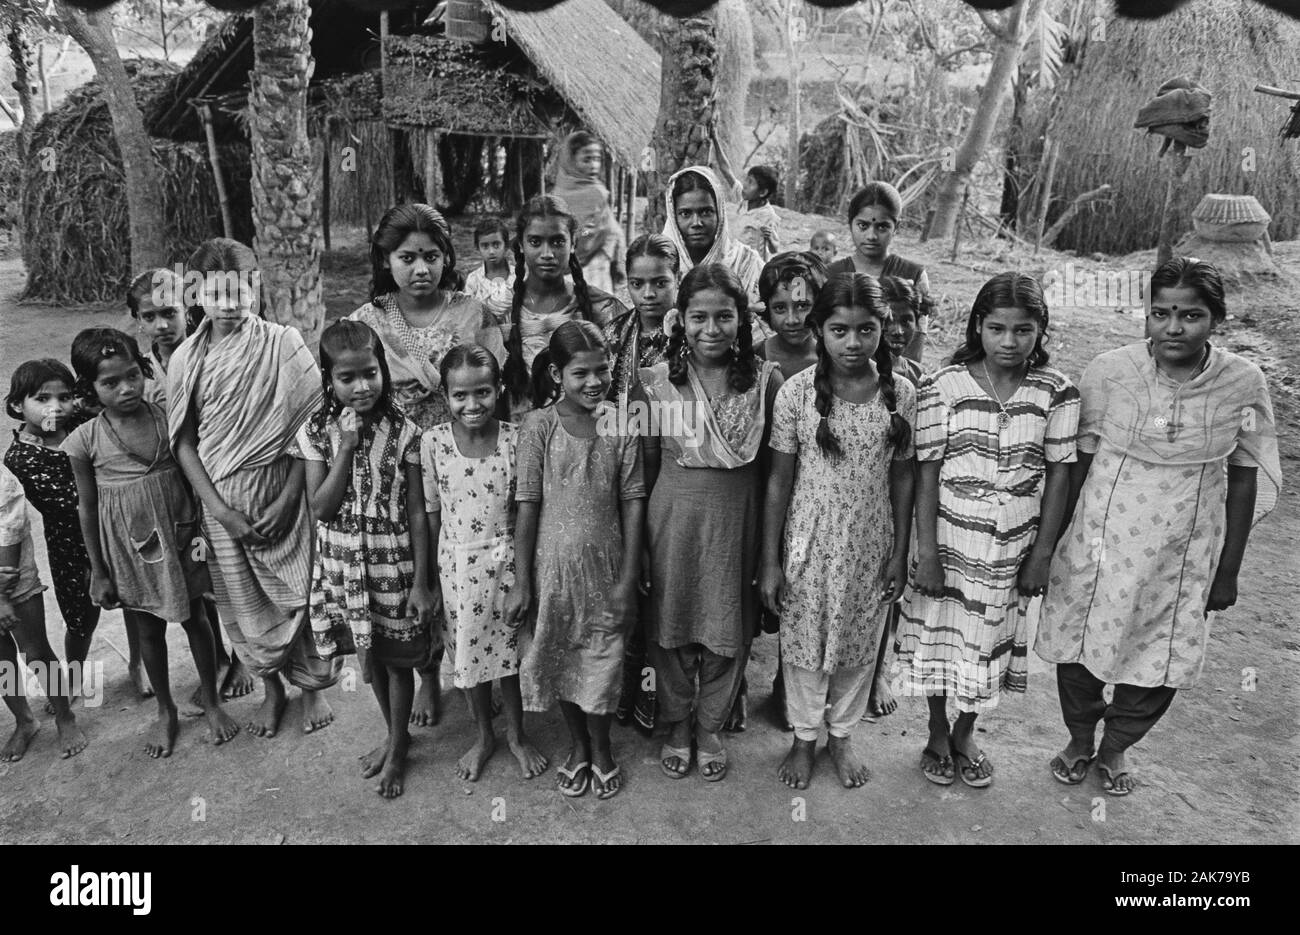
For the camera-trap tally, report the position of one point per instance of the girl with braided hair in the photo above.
(706, 476)
(543, 298)
(838, 508)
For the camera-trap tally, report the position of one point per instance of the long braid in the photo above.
(516, 371)
(677, 354)
(744, 365)
(898, 427)
(826, 440)
(580, 290)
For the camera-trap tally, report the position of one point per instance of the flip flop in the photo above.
(580, 789)
(602, 779)
(1063, 769)
(975, 764)
(943, 762)
(1108, 783)
(705, 758)
(682, 753)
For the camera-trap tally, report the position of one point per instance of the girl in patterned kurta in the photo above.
(369, 588)
(841, 488)
(995, 429)
(469, 491)
(581, 504)
(1177, 456)
(41, 399)
(141, 525)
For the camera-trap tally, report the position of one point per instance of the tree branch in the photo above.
(1101, 193)
(996, 24)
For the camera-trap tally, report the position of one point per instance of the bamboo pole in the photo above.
(1045, 196)
(325, 181)
(214, 157)
(432, 180)
(629, 222)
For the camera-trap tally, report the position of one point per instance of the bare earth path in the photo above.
(1220, 768)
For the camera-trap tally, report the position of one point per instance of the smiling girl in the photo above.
(1177, 459)
(995, 430)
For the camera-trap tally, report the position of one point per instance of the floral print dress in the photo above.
(476, 551)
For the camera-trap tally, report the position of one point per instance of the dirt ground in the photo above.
(1218, 769)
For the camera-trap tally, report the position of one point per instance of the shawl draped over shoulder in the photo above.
(744, 261)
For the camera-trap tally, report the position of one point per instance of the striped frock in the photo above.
(972, 643)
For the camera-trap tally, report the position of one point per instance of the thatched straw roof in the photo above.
(1226, 45)
(607, 73)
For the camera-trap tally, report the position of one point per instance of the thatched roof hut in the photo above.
(74, 204)
(1226, 45)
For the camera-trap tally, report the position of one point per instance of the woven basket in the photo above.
(1230, 218)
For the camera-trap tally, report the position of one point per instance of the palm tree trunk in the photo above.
(286, 182)
(145, 217)
(1009, 34)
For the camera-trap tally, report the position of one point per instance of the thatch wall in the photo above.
(75, 231)
(1226, 45)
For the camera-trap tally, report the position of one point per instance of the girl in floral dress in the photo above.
(469, 491)
(841, 488)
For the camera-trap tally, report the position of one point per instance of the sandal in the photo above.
(707, 759)
(978, 782)
(1063, 769)
(1111, 779)
(681, 753)
(601, 781)
(943, 763)
(574, 791)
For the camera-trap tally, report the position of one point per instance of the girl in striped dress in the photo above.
(369, 588)
(995, 431)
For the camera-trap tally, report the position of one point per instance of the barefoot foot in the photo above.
(162, 736)
(139, 680)
(882, 702)
(394, 771)
(221, 726)
(532, 762)
(316, 712)
(797, 768)
(236, 681)
(16, 745)
(852, 772)
(427, 708)
(471, 764)
(373, 762)
(266, 720)
(71, 740)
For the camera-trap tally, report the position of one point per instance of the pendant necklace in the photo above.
(1004, 417)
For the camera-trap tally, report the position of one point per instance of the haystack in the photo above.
(75, 230)
(1226, 45)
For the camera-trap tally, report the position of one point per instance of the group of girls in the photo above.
(452, 463)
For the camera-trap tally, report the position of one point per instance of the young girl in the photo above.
(995, 429)
(238, 389)
(140, 525)
(905, 312)
(41, 399)
(1177, 457)
(841, 488)
(369, 586)
(598, 245)
(697, 226)
(469, 492)
(155, 300)
(22, 628)
(581, 506)
(874, 214)
(787, 288)
(543, 298)
(491, 280)
(704, 512)
(637, 337)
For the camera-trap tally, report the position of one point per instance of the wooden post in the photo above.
(541, 167)
(214, 157)
(520, 149)
(629, 222)
(956, 228)
(383, 89)
(432, 173)
(1177, 172)
(1045, 196)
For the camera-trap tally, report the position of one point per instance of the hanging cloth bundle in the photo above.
(1180, 112)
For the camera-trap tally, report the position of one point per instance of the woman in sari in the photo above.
(238, 389)
(706, 466)
(417, 309)
(1177, 460)
(599, 242)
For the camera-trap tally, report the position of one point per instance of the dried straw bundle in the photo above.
(75, 231)
(1226, 45)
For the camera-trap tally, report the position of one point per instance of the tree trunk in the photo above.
(793, 116)
(20, 53)
(285, 181)
(1009, 36)
(145, 210)
(688, 106)
(1009, 207)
